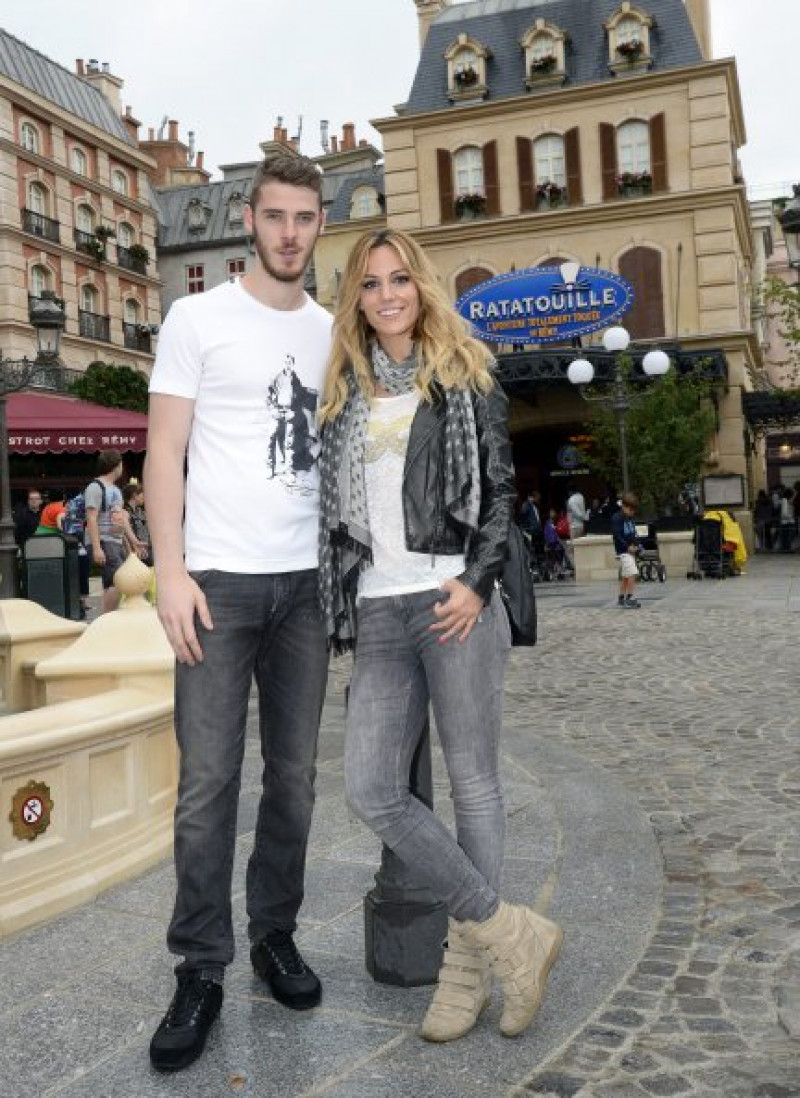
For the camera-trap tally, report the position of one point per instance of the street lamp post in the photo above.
(47, 317)
(620, 399)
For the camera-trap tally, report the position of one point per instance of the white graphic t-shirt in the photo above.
(255, 375)
(394, 570)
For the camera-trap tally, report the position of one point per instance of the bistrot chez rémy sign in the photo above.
(546, 304)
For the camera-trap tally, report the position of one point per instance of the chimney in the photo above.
(105, 82)
(700, 18)
(79, 68)
(427, 10)
(199, 161)
(334, 143)
(173, 130)
(151, 133)
(363, 143)
(348, 136)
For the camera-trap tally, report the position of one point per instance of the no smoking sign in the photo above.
(31, 810)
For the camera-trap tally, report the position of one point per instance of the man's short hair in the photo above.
(628, 499)
(108, 460)
(296, 171)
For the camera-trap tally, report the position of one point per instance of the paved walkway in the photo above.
(653, 781)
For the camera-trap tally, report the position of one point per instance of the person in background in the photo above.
(133, 499)
(626, 547)
(762, 520)
(26, 517)
(787, 521)
(51, 516)
(576, 513)
(529, 515)
(109, 534)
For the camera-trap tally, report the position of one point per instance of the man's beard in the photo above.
(282, 274)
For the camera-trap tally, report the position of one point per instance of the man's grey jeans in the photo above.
(400, 666)
(268, 627)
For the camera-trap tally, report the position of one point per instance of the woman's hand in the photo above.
(458, 614)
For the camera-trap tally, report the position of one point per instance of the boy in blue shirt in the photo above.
(626, 546)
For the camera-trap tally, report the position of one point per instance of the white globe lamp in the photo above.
(616, 339)
(655, 363)
(580, 372)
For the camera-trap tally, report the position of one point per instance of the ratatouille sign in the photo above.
(546, 304)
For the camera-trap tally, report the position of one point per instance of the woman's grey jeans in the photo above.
(400, 666)
(267, 627)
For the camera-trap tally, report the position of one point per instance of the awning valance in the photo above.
(41, 423)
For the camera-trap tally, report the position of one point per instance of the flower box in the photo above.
(631, 50)
(465, 77)
(635, 184)
(470, 206)
(551, 195)
(543, 65)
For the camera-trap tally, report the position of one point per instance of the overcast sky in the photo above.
(227, 70)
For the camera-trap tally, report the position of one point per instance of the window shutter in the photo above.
(444, 164)
(608, 160)
(527, 196)
(658, 151)
(642, 268)
(572, 156)
(490, 181)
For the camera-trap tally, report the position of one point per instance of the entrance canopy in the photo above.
(40, 423)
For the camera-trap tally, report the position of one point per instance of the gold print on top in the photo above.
(387, 437)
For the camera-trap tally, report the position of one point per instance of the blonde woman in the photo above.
(417, 494)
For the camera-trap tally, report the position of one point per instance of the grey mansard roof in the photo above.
(52, 81)
(500, 24)
(174, 231)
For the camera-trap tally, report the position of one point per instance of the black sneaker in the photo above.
(632, 604)
(276, 959)
(181, 1036)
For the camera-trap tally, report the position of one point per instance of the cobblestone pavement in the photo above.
(653, 783)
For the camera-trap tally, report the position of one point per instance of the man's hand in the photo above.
(98, 556)
(179, 599)
(458, 614)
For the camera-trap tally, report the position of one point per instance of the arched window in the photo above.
(642, 268)
(88, 298)
(629, 29)
(125, 235)
(79, 161)
(464, 60)
(365, 203)
(84, 218)
(119, 181)
(40, 280)
(131, 311)
(543, 45)
(473, 276)
(633, 148)
(548, 157)
(37, 198)
(468, 170)
(29, 137)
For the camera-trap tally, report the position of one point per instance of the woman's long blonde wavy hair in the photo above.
(446, 352)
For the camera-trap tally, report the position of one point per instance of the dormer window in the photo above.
(544, 47)
(197, 215)
(629, 40)
(466, 69)
(236, 205)
(365, 203)
(29, 137)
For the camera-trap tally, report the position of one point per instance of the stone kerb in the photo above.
(595, 560)
(87, 782)
(28, 633)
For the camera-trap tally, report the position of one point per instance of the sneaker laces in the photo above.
(188, 1002)
(285, 954)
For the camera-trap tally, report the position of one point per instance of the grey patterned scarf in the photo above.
(345, 543)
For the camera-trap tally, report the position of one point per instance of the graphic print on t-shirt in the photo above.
(292, 438)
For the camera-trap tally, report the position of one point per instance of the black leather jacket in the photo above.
(429, 529)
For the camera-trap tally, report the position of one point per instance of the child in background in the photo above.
(626, 546)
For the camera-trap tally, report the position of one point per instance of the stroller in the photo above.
(649, 562)
(711, 557)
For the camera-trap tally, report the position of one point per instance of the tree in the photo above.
(112, 386)
(669, 428)
(782, 301)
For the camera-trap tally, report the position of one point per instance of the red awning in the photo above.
(40, 423)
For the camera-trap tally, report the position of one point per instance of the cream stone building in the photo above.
(76, 215)
(595, 131)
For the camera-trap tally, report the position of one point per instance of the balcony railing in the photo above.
(90, 244)
(38, 225)
(130, 262)
(94, 326)
(137, 337)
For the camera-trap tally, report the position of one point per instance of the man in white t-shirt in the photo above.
(234, 392)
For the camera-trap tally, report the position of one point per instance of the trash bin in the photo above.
(50, 574)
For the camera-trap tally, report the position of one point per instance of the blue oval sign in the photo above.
(546, 304)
